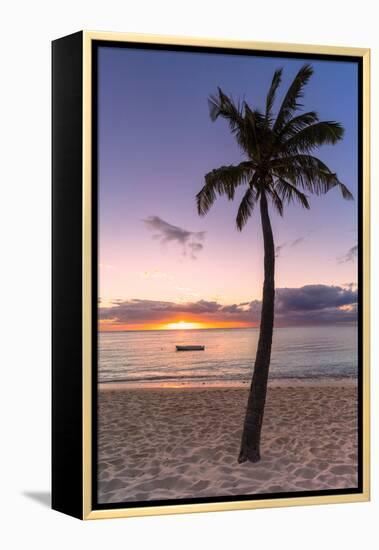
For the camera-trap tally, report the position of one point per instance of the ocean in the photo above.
(150, 357)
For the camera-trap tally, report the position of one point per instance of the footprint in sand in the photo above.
(113, 485)
(274, 489)
(200, 485)
(260, 474)
(306, 473)
(342, 469)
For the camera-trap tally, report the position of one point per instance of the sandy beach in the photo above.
(169, 443)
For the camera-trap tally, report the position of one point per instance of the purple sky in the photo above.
(156, 142)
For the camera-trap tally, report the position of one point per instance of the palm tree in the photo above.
(278, 168)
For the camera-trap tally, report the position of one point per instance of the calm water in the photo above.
(150, 356)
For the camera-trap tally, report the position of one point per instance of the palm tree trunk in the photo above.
(251, 435)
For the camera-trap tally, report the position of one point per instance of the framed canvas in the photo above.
(210, 275)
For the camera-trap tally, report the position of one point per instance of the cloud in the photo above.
(350, 255)
(279, 248)
(195, 248)
(191, 241)
(297, 241)
(313, 297)
(316, 304)
(290, 244)
(351, 286)
(141, 311)
(308, 305)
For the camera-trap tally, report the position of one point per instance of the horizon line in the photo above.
(351, 323)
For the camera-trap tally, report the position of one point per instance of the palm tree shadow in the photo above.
(41, 497)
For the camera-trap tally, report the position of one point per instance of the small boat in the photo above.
(190, 348)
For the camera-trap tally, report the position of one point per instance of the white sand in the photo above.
(170, 443)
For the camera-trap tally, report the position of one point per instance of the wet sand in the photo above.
(170, 443)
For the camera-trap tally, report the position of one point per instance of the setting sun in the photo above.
(182, 325)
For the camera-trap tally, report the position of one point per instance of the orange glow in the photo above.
(347, 307)
(110, 326)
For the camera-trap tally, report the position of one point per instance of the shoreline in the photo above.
(273, 383)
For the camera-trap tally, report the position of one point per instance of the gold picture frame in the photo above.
(84, 508)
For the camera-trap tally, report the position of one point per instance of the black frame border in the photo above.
(67, 254)
(96, 44)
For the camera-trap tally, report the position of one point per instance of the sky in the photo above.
(163, 266)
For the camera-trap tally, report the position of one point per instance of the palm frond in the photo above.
(222, 181)
(313, 136)
(255, 131)
(276, 200)
(296, 124)
(291, 100)
(289, 193)
(254, 115)
(223, 106)
(309, 173)
(276, 80)
(246, 207)
(345, 192)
